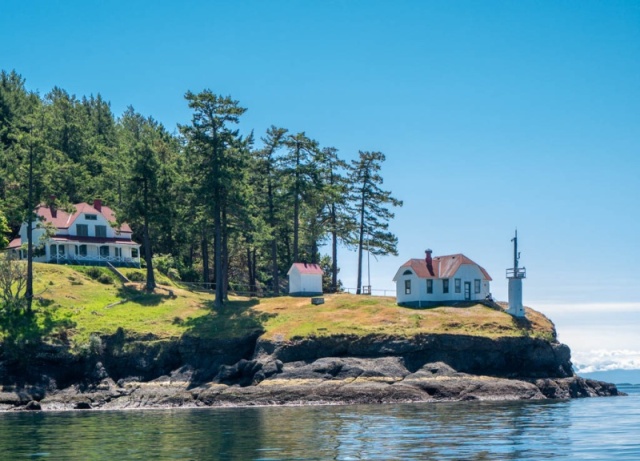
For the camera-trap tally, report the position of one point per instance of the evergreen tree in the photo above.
(211, 140)
(297, 166)
(266, 181)
(4, 231)
(149, 184)
(339, 219)
(370, 202)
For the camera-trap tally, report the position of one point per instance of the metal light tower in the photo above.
(515, 276)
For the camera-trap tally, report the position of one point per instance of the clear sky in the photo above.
(493, 115)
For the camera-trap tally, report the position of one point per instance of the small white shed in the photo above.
(305, 279)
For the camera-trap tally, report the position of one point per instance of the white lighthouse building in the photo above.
(515, 276)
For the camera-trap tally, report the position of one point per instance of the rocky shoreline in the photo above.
(135, 373)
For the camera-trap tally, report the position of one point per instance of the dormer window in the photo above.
(91, 217)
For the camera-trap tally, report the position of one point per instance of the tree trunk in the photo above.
(296, 206)
(361, 242)
(148, 255)
(254, 278)
(275, 287)
(29, 290)
(334, 250)
(225, 257)
(314, 241)
(275, 272)
(250, 270)
(206, 276)
(217, 222)
(252, 263)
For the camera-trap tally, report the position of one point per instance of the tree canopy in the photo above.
(216, 206)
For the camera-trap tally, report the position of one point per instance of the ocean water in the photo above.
(587, 429)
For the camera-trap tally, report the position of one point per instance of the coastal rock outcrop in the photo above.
(142, 372)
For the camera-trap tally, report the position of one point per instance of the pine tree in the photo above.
(339, 220)
(210, 139)
(268, 192)
(369, 202)
(297, 166)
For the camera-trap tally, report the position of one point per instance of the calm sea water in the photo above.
(589, 429)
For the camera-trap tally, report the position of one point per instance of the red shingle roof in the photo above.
(444, 267)
(15, 244)
(305, 268)
(64, 220)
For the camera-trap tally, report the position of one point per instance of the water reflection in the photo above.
(444, 431)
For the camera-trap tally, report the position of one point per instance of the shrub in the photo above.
(135, 276)
(167, 265)
(93, 272)
(105, 278)
(93, 348)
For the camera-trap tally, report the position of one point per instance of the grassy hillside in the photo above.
(74, 297)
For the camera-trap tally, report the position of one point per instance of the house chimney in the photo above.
(97, 204)
(52, 206)
(429, 261)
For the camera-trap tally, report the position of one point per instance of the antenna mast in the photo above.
(515, 252)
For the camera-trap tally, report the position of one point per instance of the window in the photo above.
(91, 217)
(82, 230)
(104, 251)
(134, 252)
(407, 272)
(458, 285)
(445, 285)
(83, 250)
(118, 252)
(407, 287)
(476, 285)
(429, 286)
(101, 231)
(57, 250)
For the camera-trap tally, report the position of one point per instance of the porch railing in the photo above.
(98, 260)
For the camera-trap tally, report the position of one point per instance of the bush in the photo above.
(93, 272)
(136, 276)
(93, 348)
(167, 265)
(105, 278)
(99, 274)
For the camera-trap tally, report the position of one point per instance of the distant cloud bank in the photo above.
(606, 360)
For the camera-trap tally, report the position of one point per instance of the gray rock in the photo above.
(33, 406)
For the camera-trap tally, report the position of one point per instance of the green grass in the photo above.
(81, 305)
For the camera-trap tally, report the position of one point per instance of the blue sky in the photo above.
(492, 115)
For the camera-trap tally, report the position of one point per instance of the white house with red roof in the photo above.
(87, 236)
(305, 279)
(441, 279)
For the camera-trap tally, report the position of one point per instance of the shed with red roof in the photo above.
(305, 279)
(441, 280)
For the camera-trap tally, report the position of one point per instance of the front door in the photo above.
(467, 291)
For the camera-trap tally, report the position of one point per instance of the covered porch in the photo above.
(119, 254)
